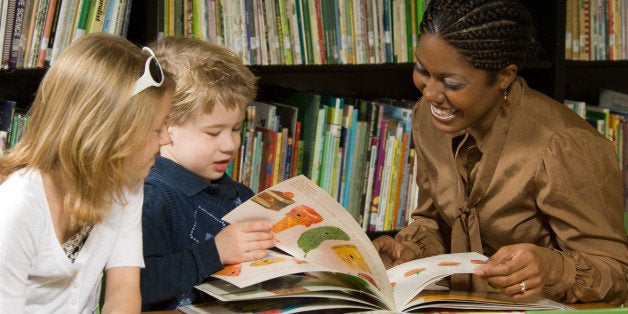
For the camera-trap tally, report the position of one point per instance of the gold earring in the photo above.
(506, 102)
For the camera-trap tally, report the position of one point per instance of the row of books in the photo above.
(291, 32)
(13, 123)
(358, 151)
(596, 30)
(610, 118)
(35, 32)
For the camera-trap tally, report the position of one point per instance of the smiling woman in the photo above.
(505, 170)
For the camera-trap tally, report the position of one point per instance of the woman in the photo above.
(506, 171)
(71, 190)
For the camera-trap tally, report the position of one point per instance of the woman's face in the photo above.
(459, 95)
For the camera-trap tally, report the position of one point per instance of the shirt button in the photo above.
(73, 302)
(76, 286)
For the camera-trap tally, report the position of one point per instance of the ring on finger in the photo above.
(523, 286)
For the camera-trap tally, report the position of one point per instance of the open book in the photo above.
(326, 261)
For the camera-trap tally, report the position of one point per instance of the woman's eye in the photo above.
(453, 86)
(421, 70)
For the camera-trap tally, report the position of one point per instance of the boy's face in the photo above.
(206, 143)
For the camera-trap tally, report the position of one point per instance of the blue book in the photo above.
(7, 108)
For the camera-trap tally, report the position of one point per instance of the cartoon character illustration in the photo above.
(299, 215)
(350, 254)
(267, 261)
(275, 200)
(230, 270)
(448, 264)
(313, 238)
(415, 271)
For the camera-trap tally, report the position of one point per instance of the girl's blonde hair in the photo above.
(206, 74)
(85, 126)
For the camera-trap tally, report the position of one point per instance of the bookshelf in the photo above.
(552, 74)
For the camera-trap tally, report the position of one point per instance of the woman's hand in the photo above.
(521, 270)
(392, 252)
(245, 241)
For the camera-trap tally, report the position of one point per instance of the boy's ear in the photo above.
(170, 131)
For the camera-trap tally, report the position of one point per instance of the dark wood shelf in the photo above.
(20, 85)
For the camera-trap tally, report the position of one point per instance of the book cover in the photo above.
(7, 109)
(265, 115)
(270, 144)
(308, 105)
(601, 115)
(325, 255)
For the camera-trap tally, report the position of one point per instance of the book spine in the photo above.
(318, 149)
(322, 41)
(297, 155)
(97, 16)
(303, 25)
(7, 34)
(17, 32)
(379, 171)
(368, 223)
(80, 27)
(110, 13)
(45, 39)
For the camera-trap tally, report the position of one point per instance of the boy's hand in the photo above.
(245, 241)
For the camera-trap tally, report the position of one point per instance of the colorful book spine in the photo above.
(9, 15)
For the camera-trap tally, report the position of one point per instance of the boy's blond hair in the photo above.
(206, 74)
(86, 127)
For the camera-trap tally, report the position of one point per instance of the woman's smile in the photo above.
(443, 114)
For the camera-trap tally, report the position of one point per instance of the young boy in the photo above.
(187, 192)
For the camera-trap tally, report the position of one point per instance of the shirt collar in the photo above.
(191, 184)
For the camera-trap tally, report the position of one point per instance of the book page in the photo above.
(273, 265)
(311, 225)
(408, 279)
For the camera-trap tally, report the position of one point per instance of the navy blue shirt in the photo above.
(181, 215)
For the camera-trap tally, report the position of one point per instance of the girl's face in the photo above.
(206, 144)
(142, 162)
(459, 95)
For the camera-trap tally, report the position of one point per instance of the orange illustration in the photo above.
(230, 270)
(448, 264)
(267, 261)
(477, 261)
(415, 271)
(299, 215)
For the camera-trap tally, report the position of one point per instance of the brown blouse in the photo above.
(542, 175)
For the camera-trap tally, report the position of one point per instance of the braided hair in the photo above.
(491, 34)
